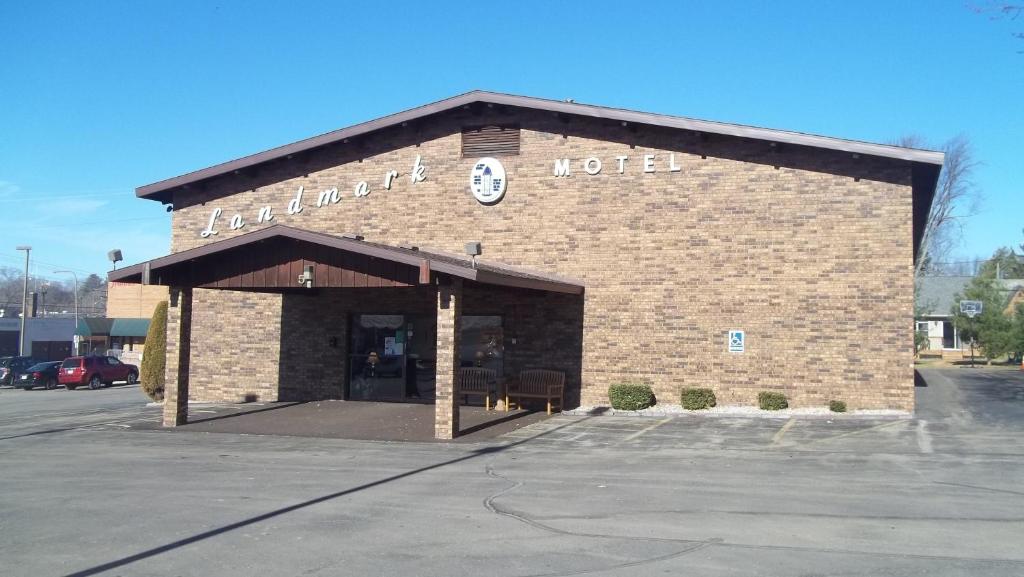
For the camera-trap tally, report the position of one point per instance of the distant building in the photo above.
(936, 296)
(936, 300)
(47, 339)
(123, 331)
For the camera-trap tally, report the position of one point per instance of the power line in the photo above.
(44, 197)
(46, 264)
(104, 221)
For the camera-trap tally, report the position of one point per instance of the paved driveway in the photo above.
(81, 494)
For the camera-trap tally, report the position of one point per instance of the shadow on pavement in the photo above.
(489, 450)
(243, 412)
(495, 422)
(34, 433)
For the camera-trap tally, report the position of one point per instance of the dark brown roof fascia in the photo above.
(436, 263)
(157, 190)
(495, 278)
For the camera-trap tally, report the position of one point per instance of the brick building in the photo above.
(616, 246)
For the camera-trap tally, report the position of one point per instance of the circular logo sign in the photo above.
(487, 180)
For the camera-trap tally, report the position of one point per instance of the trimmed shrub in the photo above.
(154, 356)
(630, 396)
(771, 401)
(697, 399)
(837, 406)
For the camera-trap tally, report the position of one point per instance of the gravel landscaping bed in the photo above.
(736, 411)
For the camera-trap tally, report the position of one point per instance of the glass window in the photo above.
(481, 343)
(378, 357)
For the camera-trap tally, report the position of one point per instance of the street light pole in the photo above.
(72, 273)
(24, 300)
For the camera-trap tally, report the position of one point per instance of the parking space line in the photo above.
(857, 432)
(924, 440)
(641, 432)
(782, 432)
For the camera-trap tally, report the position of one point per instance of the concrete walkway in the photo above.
(351, 420)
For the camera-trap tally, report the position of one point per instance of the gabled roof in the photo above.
(159, 190)
(426, 260)
(936, 294)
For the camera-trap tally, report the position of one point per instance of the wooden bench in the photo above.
(537, 384)
(475, 381)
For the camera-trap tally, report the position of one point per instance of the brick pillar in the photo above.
(179, 342)
(449, 322)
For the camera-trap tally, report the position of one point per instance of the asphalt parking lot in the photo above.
(86, 490)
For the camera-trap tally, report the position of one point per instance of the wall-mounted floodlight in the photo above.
(115, 257)
(306, 278)
(473, 249)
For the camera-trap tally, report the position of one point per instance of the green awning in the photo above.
(102, 327)
(97, 327)
(129, 328)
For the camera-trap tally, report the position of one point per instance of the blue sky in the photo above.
(98, 98)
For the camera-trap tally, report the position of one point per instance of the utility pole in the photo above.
(24, 300)
(72, 273)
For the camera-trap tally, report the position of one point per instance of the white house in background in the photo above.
(935, 300)
(936, 297)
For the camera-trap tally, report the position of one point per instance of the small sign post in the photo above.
(971, 309)
(737, 341)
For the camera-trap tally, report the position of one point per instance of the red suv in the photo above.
(96, 372)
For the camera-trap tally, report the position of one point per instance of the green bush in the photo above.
(630, 396)
(154, 356)
(696, 399)
(770, 401)
(837, 406)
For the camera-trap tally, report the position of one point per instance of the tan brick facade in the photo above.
(807, 250)
(449, 322)
(132, 300)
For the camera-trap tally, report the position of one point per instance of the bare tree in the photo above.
(1001, 11)
(956, 198)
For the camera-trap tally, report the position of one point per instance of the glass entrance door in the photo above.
(377, 358)
(391, 358)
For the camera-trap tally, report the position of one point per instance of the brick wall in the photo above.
(301, 354)
(133, 301)
(808, 251)
(236, 346)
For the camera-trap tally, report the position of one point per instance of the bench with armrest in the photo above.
(537, 384)
(476, 381)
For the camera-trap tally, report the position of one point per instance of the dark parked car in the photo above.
(41, 375)
(96, 372)
(11, 367)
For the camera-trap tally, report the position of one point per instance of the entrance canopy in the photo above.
(281, 259)
(273, 259)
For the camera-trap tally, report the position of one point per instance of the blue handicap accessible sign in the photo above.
(737, 341)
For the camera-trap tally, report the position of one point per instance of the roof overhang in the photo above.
(161, 190)
(271, 258)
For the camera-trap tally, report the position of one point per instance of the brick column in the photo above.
(179, 342)
(449, 322)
